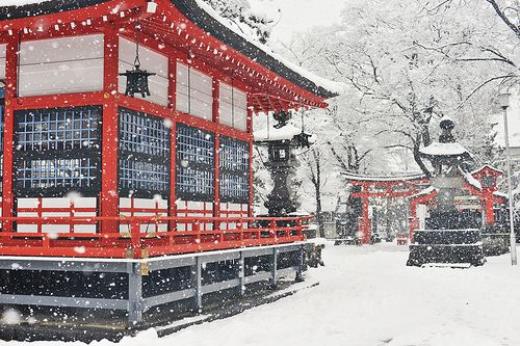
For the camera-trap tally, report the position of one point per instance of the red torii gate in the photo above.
(383, 187)
(419, 191)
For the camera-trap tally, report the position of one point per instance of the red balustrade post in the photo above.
(72, 207)
(135, 238)
(299, 229)
(240, 227)
(196, 230)
(273, 229)
(46, 241)
(39, 227)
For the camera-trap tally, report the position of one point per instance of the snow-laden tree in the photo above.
(407, 64)
(252, 22)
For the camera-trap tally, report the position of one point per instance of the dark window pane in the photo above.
(58, 129)
(144, 152)
(52, 173)
(57, 151)
(234, 170)
(195, 164)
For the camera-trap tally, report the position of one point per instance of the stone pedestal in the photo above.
(453, 246)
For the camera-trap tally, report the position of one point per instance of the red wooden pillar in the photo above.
(172, 104)
(251, 207)
(365, 217)
(489, 213)
(109, 201)
(216, 170)
(11, 81)
(413, 221)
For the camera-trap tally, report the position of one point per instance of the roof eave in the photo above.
(199, 17)
(205, 21)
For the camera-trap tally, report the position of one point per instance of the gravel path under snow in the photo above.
(368, 296)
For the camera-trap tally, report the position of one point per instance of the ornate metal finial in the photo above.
(447, 125)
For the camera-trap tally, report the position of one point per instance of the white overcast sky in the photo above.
(299, 15)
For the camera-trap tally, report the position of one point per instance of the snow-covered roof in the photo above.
(444, 149)
(501, 194)
(20, 2)
(13, 9)
(298, 213)
(206, 18)
(287, 132)
(489, 167)
(471, 179)
(387, 178)
(425, 192)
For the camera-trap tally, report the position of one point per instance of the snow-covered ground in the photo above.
(367, 296)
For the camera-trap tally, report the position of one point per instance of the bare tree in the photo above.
(313, 160)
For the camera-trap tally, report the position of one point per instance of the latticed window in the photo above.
(147, 177)
(63, 173)
(57, 151)
(234, 170)
(195, 160)
(144, 158)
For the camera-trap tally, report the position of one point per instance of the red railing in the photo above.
(132, 242)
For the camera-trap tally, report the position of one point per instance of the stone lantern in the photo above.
(450, 237)
(281, 140)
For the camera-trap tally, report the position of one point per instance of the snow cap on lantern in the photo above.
(447, 151)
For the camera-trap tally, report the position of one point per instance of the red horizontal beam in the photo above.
(62, 100)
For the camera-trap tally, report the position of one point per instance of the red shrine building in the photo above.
(98, 179)
(74, 145)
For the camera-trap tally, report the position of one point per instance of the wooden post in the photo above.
(242, 273)
(365, 217)
(11, 86)
(196, 275)
(413, 222)
(486, 200)
(135, 294)
(216, 168)
(274, 268)
(109, 201)
(251, 206)
(172, 104)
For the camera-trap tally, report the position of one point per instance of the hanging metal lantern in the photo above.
(282, 117)
(137, 79)
(302, 140)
